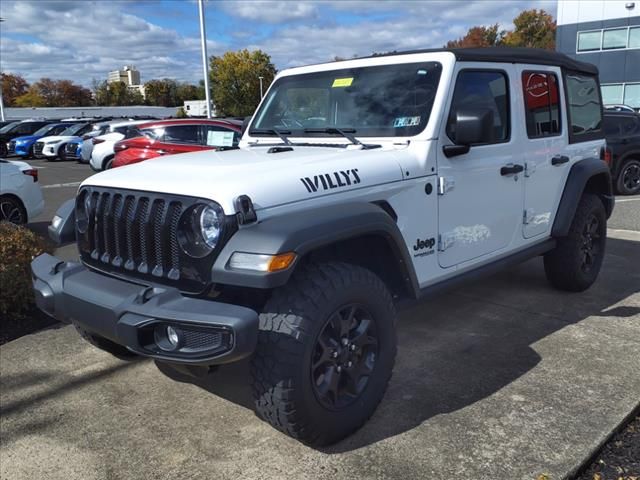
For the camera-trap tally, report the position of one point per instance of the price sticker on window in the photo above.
(219, 139)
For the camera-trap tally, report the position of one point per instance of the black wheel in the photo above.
(3, 150)
(575, 262)
(30, 152)
(325, 354)
(62, 154)
(108, 163)
(628, 182)
(108, 346)
(12, 210)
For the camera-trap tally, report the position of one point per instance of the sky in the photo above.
(83, 40)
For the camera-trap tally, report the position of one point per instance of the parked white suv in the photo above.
(102, 152)
(20, 195)
(357, 185)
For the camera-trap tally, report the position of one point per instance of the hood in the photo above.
(269, 179)
(27, 139)
(58, 138)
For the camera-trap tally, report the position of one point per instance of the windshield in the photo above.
(73, 129)
(379, 101)
(8, 127)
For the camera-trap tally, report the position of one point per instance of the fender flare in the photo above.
(579, 175)
(305, 231)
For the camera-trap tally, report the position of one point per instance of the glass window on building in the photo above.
(615, 38)
(634, 37)
(589, 41)
(632, 95)
(612, 94)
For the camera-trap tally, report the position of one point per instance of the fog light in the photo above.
(173, 337)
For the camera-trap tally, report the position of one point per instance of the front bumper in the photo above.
(135, 315)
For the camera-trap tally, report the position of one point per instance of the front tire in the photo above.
(575, 262)
(325, 354)
(628, 181)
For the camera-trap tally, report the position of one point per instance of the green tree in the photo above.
(235, 81)
(31, 98)
(55, 93)
(162, 93)
(13, 86)
(116, 94)
(479, 37)
(534, 29)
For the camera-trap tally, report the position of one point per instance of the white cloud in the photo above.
(272, 11)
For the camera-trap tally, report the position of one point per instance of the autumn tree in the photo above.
(54, 93)
(534, 29)
(161, 93)
(235, 81)
(12, 86)
(116, 94)
(490, 36)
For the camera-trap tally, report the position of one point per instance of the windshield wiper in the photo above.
(345, 132)
(272, 131)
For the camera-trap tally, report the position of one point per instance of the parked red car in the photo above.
(168, 137)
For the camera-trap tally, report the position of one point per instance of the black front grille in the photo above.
(38, 148)
(71, 150)
(11, 147)
(136, 234)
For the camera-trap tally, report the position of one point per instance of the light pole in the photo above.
(261, 95)
(205, 60)
(1, 101)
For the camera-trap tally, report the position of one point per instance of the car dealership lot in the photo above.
(493, 380)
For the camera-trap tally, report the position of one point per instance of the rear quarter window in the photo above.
(584, 107)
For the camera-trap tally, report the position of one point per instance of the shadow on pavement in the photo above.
(461, 347)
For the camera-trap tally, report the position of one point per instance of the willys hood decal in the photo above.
(270, 179)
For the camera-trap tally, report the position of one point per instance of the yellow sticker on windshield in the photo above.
(342, 82)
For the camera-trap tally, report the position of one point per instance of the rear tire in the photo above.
(575, 262)
(108, 163)
(12, 210)
(108, 346)
(325, 354)
(628, 181)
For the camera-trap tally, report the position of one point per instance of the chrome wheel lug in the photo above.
(339, 368)
(334, 354)
(352, 347)
(345, 342)
(349, 364)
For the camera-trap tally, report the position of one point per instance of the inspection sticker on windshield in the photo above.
(342, 82)
(406, 122)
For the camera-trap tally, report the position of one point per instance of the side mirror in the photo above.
(472, 126)
(245, 124)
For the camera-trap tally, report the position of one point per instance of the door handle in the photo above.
(559, 160)
(161, 152)
(511, 169)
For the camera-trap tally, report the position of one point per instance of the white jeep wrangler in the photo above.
(357, 185)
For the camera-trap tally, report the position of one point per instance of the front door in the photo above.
(480, 192)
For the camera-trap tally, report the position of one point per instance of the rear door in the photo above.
(480, 202)
(545, 135)
(179, 139)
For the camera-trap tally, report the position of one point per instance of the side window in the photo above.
(584, 105)
(220, 137)
(612, 126)
(25, 129)
(482, 89)
(541, 104)
(181, 134)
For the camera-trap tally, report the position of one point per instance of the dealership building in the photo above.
(607, 34)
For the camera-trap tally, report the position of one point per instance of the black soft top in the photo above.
(534, 56)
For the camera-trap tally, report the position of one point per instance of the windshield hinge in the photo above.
(529, 168)
(445, 241)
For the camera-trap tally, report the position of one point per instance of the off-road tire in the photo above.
(290, 325)
(565, 265)
(107, 345)
(627, 182)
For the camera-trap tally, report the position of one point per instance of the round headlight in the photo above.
(200, 229)
(210, 225)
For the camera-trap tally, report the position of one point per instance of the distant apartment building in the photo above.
(607, 34)
(129, 76)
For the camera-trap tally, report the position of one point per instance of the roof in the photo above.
(234, 124)
(534, 56)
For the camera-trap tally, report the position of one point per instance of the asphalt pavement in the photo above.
(501, 379)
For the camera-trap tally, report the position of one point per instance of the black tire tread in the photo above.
(281, 343)
(562, 264)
